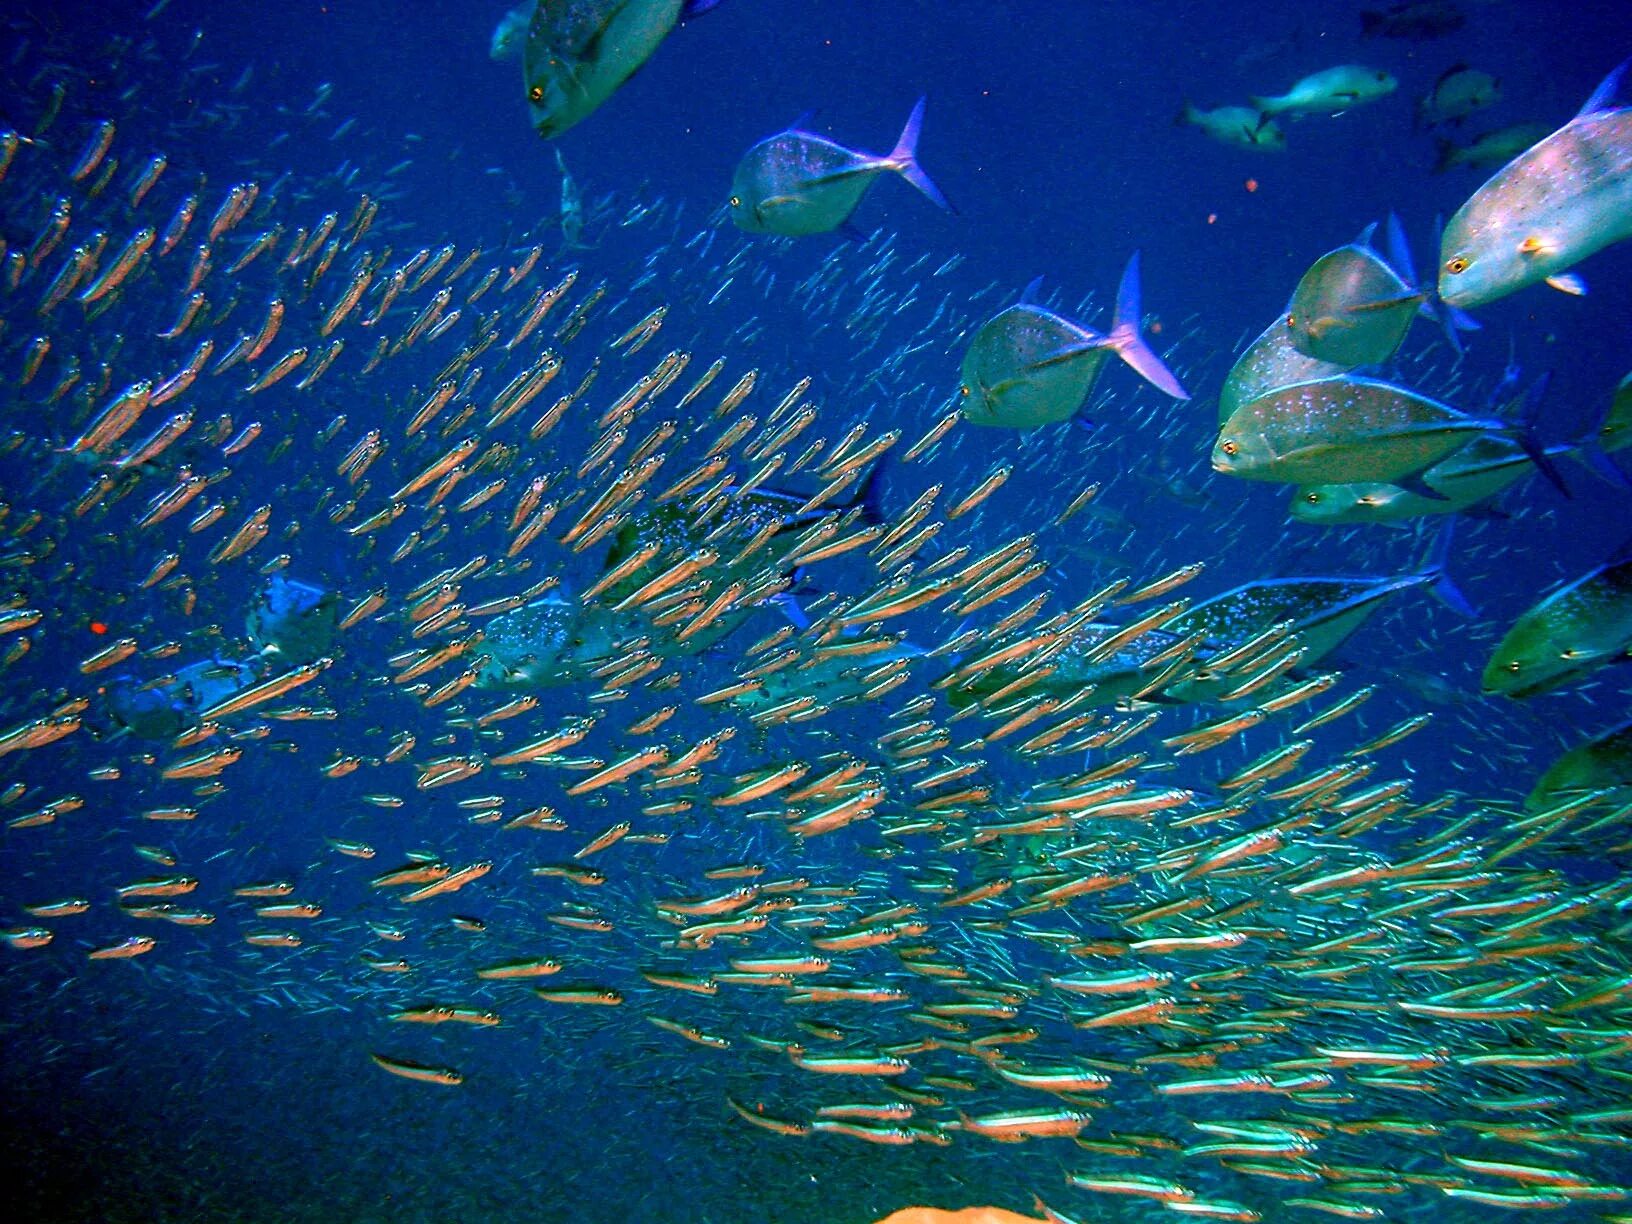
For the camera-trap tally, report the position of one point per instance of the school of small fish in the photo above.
(774, 740)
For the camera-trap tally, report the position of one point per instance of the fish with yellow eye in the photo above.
(578, 52)
(1562, 199)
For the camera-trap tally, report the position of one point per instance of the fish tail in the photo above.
(1523, 431)
(1130, 344)
(1445, 151)
(1594, 458)
(1436, 572)
(904, 159)
(1267, 107)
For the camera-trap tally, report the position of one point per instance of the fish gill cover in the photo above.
(525, 698)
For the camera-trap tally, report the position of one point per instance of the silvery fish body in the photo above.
(1559, 201)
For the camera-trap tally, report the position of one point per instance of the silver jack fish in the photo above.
(578, 52)
(1028, 366)
(1549, 208)
(797, 182)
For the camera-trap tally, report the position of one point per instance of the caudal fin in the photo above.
(1130, 344)
(1436, 569)
(1523, 431)
(904, 158)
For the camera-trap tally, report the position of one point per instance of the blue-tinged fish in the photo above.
(1343, 430)
(578, 52)
(1574, 630)
(295, 621)
(1329, 92)
(1458, 93)
(1466, 480)
(1351, 307)
(1489, 149)
(797, 182)
(1240, 126)
(1558, 202)
(1028, 366)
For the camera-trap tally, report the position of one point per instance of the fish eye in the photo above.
(1312, 498)
(736, 201)
(1456, 265)
(1513, 667)
(1291, 321)
(964, 390)
(536, 94)
(1229, 448)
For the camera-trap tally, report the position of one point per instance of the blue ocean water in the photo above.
(213, 1079)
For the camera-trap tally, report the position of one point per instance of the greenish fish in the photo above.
(578, 52)
(1343, 430)
(1240, 126)
(1575, 629)
(1459, 92)
(1329, 92)
(1268, 363)
(1559, 201)
(1351, 308)
(1028, 366)
(1615, 431)
(1469, 478)
(1603, 763)
(1490, 149)
(797, 183)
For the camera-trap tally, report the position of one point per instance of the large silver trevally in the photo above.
(1028, 366)
(797, 183)
(1565, 197)
(1343, 430)
(579, 51)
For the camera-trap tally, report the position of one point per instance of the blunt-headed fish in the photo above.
(1269, 362)
(797, 182)
(1028, 366)
(1342, 430)
(1329, 92)
(1351, 308)
(1559, 201)
(1602, 763)
(1470, 477)
(1459, 92)
(578, 52)
(1579, 627)
(1490, 149)
(1241, 126)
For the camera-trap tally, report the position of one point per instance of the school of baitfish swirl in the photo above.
(1290, 985)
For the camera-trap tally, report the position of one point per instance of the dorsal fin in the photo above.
(1032, 294)
(1607, 89)
(1399, 251)
(1364, 240)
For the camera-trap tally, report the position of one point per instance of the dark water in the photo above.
(215, 1080)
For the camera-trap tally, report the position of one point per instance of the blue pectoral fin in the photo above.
(695, 8)
(849, 229)
(1524, 433)
(1592, 457)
